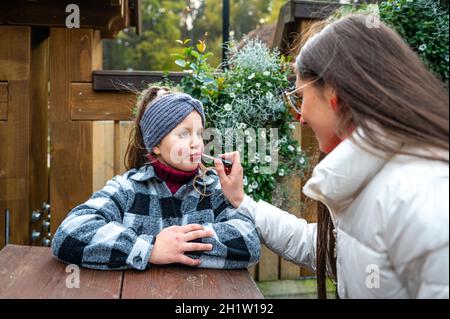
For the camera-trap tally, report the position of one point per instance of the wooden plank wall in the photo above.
(23, 138)
(74, 53)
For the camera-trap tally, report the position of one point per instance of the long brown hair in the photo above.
(383, 88)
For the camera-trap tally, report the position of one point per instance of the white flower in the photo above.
(283, 139)
(266, 73)
(249, 139)
(258, 85)
(255, 185)
(247, 132)
(242, 126)
(281, 172)
(299, 149)
(245, 181)
(302, 161)
(238, 85)
(250, 189)
(268, 158)
(251, 76)
(232, 95)
(291, 126)
(269, 84)
(269, 95)
(446, 57)
(227, 107)
(256, 169)
(291, 148)
(422, 47)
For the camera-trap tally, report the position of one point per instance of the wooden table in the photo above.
(33, 272)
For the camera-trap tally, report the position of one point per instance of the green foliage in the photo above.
(247, 95)
(423, 24)
(151, 50)
(165, 20)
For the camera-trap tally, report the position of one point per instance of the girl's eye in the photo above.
(184, 134)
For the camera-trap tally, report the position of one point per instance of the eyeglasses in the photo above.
(295, 101)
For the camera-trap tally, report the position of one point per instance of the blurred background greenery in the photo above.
(164, 21)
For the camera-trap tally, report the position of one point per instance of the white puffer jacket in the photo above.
(391, 218)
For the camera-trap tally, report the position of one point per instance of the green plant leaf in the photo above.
(181, 63)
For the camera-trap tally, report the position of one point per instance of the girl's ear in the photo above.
(156, 150)
(334, 101)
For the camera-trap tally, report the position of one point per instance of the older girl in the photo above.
(383, 119)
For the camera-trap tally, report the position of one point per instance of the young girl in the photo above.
(167, 208)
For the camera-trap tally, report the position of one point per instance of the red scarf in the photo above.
(174, 178)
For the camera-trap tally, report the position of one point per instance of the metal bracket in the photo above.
(7, 226)
(36, 216)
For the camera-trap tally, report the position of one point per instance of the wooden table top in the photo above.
(33, 272)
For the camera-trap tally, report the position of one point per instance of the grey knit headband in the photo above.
(164, 114)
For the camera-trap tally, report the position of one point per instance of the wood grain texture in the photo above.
(289, 270)
(15, 132)
(3, 101)
(178, 282)
(73, 56)
(86, 104)
(32, 272)
(39, 127)
(269, 265)
(105, 15)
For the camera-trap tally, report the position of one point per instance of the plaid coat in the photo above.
(117, 227)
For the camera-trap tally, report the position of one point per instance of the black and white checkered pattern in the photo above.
(116, 228)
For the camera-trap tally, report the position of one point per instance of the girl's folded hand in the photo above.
(172, 242)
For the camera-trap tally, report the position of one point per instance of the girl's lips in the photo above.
(196, 157)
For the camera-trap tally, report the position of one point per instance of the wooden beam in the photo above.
(73, 55)
(85, 104)
(103, 15)
(314, 9)
(15, 133)
(290, 17)
(289, 270)
(38, 169)
(130, 80)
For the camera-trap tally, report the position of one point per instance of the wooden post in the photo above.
(74, 54)
(289, 270)
(23, 130)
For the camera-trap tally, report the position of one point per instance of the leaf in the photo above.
(181, 63)
(177, 56)
(180, 42)
(195, 54)
(187, 41)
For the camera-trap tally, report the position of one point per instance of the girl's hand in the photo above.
(172, 242)
(232, 184)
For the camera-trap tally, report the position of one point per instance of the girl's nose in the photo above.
(196, 141)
